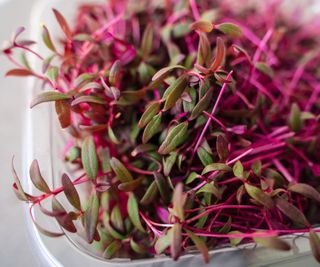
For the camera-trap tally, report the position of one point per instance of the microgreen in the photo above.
(192, 127)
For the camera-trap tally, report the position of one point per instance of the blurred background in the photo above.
(15, 245)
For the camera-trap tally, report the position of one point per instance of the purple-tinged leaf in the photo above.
(273, 242)
(202, 25)
(230, 29)
(152, 128)
(47, 38)
(314, 241)
(88, 99)
(222, 147)
(37, 178)
(201, 246)
(133, 211)
(143, 149)
(162, 73)
(306, 190)
(150, 194)
(17, 33)
(112, 249)
(202, 104)
(63, 24)
(70, 191)
(89, 157)
(66, 220)
(131, 185)
(291, 211)
(216, 167)
(176, 136)
(149, 114)
(113, 232)
(115, 72)
(266, 69)
(174, 92)
(48, 96)
(204, 50)
(178, 201)
(163, 242)
(90, 217)
(240, 192)
(258, 195)
(46, 63)
(238, 169)
(169, 162)
(147, 41)
(64, 113)
(120, 170)
(19, 73)
(219, 56)
(84, 79)
(137, 247)
(176, 239)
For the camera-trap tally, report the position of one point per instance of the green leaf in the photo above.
(315, 244)
(273, 242)
(201, 246)
(163, 186)
(176, 136)
(47, 39)
(89, 157)
(48, 96)
(64, 113)
(113, 232)
(234, 241)
(70, 192)
(204, 156)
(174, 92)
(230, 29)
(149, 114)
(152, 128)
(37, 178)
(256, 167)
(116, 218)
(202, 104)
(211, 189)
(120, 170)
(150, 194)
(90, 217)
(84, 79)
(178, 201)
(306, 190)
(291, 211)
(176, 239)
(112, 249)
(216, 167)
(81, 37)
(138, 248)
(163, 242)
(238, 169)
(264, 68)
(258, 195)
(63, 24)
(202, 25)
(114, 139)
(191, 177)
(295, 121)
(131, 185)
(147, 41)
(52, 74)
(169, 162)
(88, 99)
(133, 212)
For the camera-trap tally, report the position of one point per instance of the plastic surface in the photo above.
(43, 141)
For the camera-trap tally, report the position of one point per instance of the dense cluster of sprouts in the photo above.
(194, 125)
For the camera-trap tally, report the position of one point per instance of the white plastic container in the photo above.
(43, 141)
